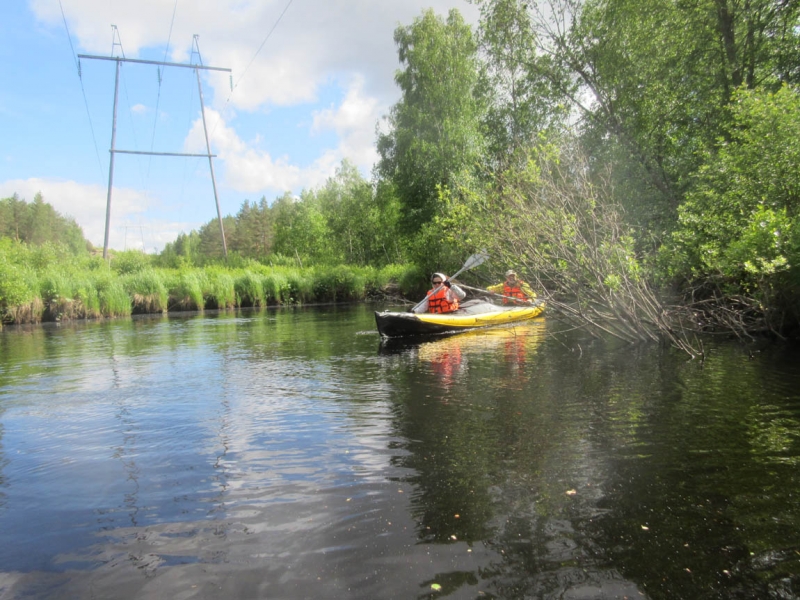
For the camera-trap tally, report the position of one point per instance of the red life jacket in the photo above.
(512, 292)
(438, 302)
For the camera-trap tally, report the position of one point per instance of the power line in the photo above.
(83, 90)
(158, 97)
(238, 81)
(259, 50)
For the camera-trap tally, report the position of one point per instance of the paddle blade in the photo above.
(472, 261)
(475, 260)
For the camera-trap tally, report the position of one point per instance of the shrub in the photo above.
(130, 261)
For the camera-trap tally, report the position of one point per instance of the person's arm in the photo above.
(496, 288)
(422, 307)
(526, 289)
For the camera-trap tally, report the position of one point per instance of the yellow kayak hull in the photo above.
(470, 316)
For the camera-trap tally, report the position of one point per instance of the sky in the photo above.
(310, 81)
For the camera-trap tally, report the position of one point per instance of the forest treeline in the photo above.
(636, 159)
(38, 222)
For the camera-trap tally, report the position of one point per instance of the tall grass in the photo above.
(114, 300)
(57, 291)
(219, 289)
(276, 286)
(301, 286)
(249, 289)
(186, 289)
(339, 283)
(147, 291)
(47, 283)
(86, 301)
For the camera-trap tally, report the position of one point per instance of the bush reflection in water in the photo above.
(290, 454)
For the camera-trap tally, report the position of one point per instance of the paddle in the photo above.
(488, 293)
(472, 262)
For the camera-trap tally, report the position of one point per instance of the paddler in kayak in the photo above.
(443, 298)
(513, 289)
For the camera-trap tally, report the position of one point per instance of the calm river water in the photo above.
(289, 454)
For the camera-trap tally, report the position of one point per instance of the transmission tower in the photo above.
(114, 150)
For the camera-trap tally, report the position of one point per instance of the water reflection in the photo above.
(277, 454)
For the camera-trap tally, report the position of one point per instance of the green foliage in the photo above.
(301, 229)
(185, 288)
(219, 291)
(39, 223)
(360, 223)
(209, 241)
(412, 280)
(18, 282)
(183, 252)
(114, 300)
(249, 289)
(660, 78)
(277, 289)
(301, 286)
(521, 99)
(253, 235)
(740, 220)
(147, 290)
(435, 128)
(339, 284)
(130, 261)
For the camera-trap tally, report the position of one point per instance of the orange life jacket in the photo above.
(512, 292)
(438, 302)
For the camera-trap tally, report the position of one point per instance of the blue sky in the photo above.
(306, 96)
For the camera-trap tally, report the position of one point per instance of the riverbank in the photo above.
(60, 292)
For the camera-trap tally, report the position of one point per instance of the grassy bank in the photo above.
(49, 284)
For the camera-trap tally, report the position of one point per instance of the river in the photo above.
(288, 454)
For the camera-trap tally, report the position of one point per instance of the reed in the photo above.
(186, 290)
(275, 285)
(46, 283)
(86, 301)
(339, 284)
(57, 291)
(147, 291)
(249, 289)
(219, 291)
(114, 300)
(301, 287)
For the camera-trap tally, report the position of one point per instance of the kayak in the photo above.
(472, 314)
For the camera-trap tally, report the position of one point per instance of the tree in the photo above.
(521, 100)
(301, 230)
(38, 223)
(740, 224)
(362, 223)
(254, 230)
(653, 80)
(435, 127)
(210, 243)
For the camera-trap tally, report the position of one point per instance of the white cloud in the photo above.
(279, 56)
(354, 122)
(283, 55)
(87, 205)
(249, 170)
